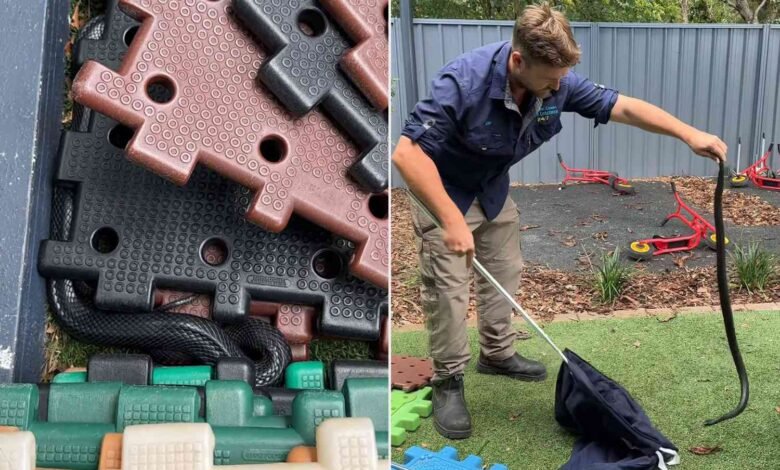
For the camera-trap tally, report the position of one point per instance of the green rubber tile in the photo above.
(406, 411)
(70, 377)
(305, 375)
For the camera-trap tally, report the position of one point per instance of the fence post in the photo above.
(758, 106)
(593, 74)
(409, 65)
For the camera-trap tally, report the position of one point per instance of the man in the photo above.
(487, 110)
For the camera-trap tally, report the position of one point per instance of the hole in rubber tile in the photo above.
(273, 149)
(311, 22)
(214, 251)
(119, 136)
(327, 264)
(160, 89)
(129, 35)
(378, 205)
(105, 240)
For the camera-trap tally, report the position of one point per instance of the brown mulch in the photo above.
(546, 292)
(741, 209)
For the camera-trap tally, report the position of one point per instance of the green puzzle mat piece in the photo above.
(406, 410)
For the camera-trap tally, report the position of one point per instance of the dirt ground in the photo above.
(565, 232)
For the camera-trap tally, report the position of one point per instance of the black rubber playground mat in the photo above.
(563, 228)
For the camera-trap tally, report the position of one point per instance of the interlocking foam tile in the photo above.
(295, 322)
(132, 230)
(417, 458)
(406, 410)
(309, 375)
(17, 451)
(383, 347)
(410, 373)
(342, 444)
(302, 454)
(365, 21)
(168, 446)
(217, 114)
(111, 452)
(304, 73)
(106, 41)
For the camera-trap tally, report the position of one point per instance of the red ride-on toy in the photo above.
(611, 179)
(760, 173)
(702, 230)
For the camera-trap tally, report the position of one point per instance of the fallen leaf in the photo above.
(514, 417)
(666, 317)
(600, 236)
(680, 261)
(528, 227)
(704, 450)
(777, 409)
(570, 241)
(637, 344)
(522, 334)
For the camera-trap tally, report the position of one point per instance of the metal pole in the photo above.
(489, 277)
(739, 152)
(409, 65)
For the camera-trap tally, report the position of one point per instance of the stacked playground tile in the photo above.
(17, 450)
(246, 430)
(186, 185)
(342, 444)
(214, 113)
(406, 411)
(417, 458)
(199, 235)
(410, 373)
(295, 322)
(365, 21)
(303, 71)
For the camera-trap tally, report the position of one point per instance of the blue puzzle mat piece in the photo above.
(417, 458)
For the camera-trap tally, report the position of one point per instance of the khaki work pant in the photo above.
(445, 287)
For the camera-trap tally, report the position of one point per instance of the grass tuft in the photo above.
(755, 267)
(611, 277)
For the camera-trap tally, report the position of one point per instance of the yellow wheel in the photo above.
(738, 181)
(622, 188)
(640, 251)
(712, 241)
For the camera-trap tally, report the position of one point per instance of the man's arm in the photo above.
(638, 113)
(424, 181)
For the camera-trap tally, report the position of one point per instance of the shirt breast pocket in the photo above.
(489, 144)
(541, 133)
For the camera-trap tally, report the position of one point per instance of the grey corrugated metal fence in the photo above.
(723, 79)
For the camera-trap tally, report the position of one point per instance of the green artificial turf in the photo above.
(680, 371)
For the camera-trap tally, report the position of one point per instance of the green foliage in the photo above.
(638, 11)
(611, 277)
(755, 267)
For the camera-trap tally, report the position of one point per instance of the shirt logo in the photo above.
(546, 113)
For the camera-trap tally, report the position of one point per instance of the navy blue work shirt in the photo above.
(474, 132)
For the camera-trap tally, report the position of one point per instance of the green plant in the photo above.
(611, 277)
(755, 267)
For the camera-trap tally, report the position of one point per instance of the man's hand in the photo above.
(641, 114)
(707, 145)
(459, 239)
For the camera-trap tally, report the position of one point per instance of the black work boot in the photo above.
(450, 415)
(516, 367)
